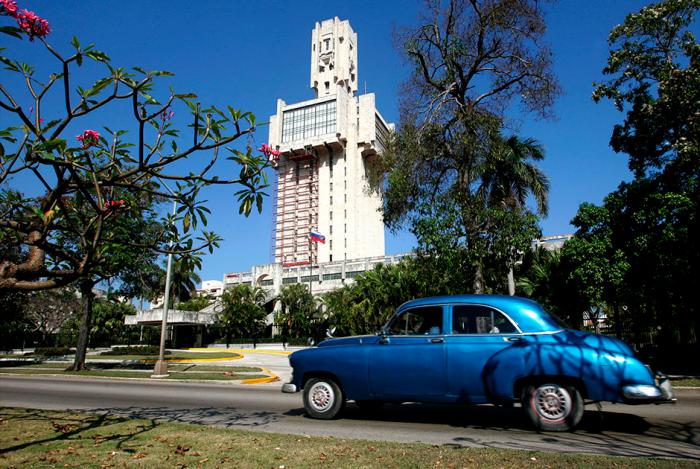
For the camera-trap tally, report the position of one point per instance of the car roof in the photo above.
(528, 314)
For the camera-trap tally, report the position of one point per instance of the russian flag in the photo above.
(317, 237)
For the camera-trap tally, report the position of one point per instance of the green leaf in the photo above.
(186, 222)
(97, 56)
(10, 65)
(75, 43)
(57, 143)
(11, 31)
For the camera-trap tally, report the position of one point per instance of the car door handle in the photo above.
(514, 339)
(437, 340)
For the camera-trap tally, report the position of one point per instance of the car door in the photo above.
(408, 362)
(478, 334)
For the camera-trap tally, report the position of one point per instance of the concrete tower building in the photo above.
(328, 147)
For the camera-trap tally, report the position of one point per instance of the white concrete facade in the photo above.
(328, 147)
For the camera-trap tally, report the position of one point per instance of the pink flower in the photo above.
(32, 24)
(275, 153)
(166, 115)
(265, 149)
(89, 138)
(8, 8)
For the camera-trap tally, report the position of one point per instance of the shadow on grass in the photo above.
(72, 427)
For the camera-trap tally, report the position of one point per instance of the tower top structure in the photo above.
(333, 57)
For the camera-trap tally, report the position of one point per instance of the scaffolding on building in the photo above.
(296, 208)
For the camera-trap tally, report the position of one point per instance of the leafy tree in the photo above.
(298, 311)
(471, 60)
(650, 224)
(108, 326)
(197, 303)
(68, 229)
(242, 312)
(48, 311)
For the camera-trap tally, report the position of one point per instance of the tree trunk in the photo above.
(478, 279)
(511, 281)
(84, 331)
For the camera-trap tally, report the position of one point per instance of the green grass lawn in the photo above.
(174, 356)
(37, 438)
(137, 370)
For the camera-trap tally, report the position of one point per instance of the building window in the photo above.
(309, 278)
(330, 215)
(333, 276)
(346, 198)
(309, 121)
(331, 200)
(330, 244)
(330, 229)
(327, 42)
(331, 187)
(328, 85)
(321, 68)
(346, 227)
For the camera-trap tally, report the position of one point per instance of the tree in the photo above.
(650, 223)
(471, 60)
(183, 278)
(196, 303)
(88, 181)
(69, 228)
(242, 313)
(298, 311)
(48, 311)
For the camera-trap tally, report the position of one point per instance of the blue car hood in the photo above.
(353, 340)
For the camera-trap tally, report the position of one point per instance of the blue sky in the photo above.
(248, 54)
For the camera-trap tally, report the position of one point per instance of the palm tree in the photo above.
(242, 312)
(183, 278)
(509, 176)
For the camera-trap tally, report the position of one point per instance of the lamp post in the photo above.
(161, 368)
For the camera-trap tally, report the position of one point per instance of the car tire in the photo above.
(369, 405)
(323, 398)
(553, 407)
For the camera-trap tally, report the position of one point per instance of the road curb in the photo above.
(270, 379)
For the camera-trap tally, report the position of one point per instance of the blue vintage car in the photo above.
(475, 349)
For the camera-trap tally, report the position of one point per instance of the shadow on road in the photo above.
(606, 432)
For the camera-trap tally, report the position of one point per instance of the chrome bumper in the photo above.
(289, 387)
(660, 393)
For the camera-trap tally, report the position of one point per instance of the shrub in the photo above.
(135, 350)
(52, 351)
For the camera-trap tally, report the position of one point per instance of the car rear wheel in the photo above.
(553, 407)
(323, 398)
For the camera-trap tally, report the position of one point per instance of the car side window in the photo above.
(472, 319)
(418, 321)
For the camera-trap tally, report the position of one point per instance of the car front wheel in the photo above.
(323, 398)
(553, 407)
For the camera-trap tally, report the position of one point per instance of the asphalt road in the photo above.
(660, 431)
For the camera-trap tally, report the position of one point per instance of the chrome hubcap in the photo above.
(321, 397)
(552, 402)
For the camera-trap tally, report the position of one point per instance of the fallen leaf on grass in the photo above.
(182, 449)
(139, 456)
